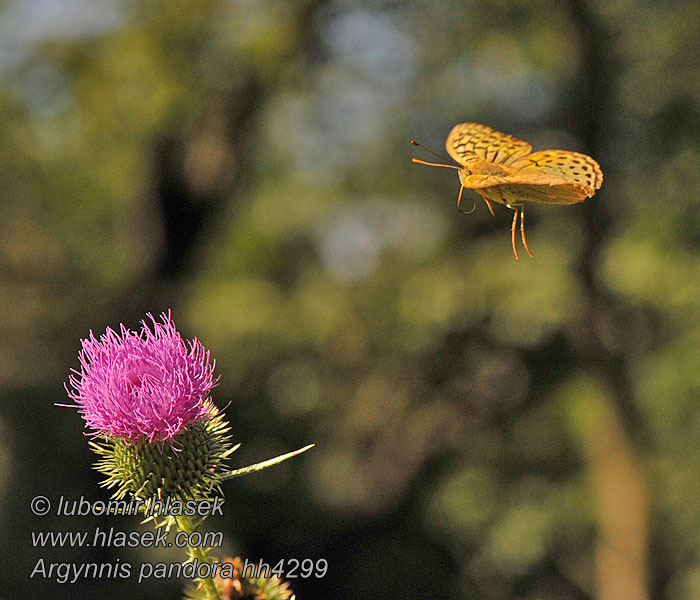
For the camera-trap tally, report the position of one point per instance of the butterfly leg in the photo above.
(522, 231)
(487, 202)
(512, 231)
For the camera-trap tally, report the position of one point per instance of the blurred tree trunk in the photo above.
(618, 489)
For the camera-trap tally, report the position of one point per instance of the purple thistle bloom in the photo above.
(148, 384)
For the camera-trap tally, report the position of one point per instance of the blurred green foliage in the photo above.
(246, 163)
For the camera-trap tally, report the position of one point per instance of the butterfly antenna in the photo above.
(422, 162)
(434, 154)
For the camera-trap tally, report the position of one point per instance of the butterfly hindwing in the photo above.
(472, 142)
(566, 193)
(562, 166)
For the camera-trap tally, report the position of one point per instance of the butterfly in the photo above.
(504, 169)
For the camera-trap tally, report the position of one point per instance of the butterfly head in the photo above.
(464, 175)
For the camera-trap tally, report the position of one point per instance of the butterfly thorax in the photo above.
(490, 169)
(483, 174)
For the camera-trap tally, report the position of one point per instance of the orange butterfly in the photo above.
(501, 168)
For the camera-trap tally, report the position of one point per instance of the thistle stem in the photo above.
(185, 524)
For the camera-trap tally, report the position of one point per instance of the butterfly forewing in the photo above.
(472, 142)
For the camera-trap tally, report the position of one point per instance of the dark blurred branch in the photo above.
(618, 482)
(192, 214)
(189, 212)
(594, 92)
(192, 203)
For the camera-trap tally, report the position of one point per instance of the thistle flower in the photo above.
(142, 385)
(134, 389)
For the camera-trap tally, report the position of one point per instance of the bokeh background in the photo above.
(485, 428)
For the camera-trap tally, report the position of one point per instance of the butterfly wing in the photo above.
(558, 168)
(472, 142)
(566, 193)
